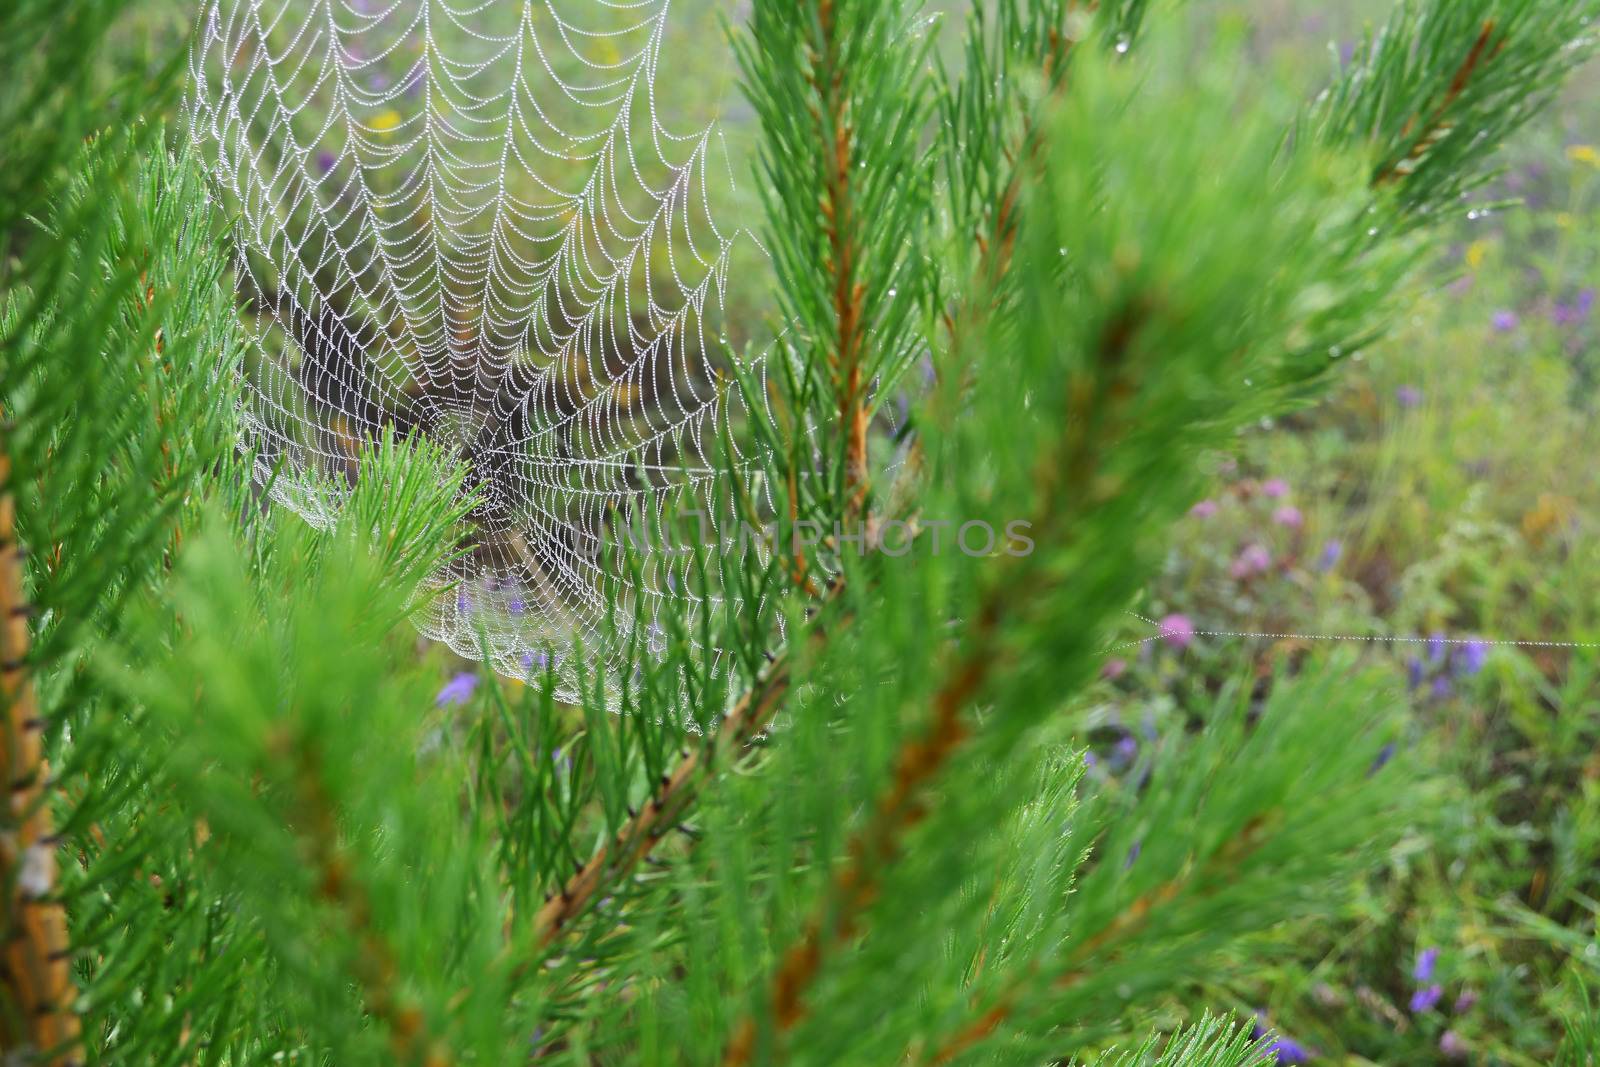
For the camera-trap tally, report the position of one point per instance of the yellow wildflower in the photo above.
(1584, 153)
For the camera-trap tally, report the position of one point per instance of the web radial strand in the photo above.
(470, 222)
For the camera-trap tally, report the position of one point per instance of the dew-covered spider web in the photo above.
(471, 221)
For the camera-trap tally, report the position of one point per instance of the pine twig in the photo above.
(374, 968)
(1095, 408)
(1126, 923)
(843, 253)
(900, 810)
(1436, 126)
(37, 957)
(637, 838)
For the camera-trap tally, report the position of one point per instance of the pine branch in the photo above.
(842, 101)
(996, 248)
(633, 843)
(1126, 927)
(37, 974)
(857, 885)
(1095, 409)
(1442, 85)
(837, 139)
(994, 234)
(1436, 124)
(374, 966)
(635, 840)
(830, 88)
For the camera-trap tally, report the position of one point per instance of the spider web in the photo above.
(470, 222)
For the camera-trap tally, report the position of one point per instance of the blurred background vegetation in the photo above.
(1441, 506)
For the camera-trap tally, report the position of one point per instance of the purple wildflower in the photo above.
(1426, 998)
(530, 660)
(1090, 759)
(517, 606)
(1461, 286)
(1413, 672)
(457, 690)
(1114, 669)
(1127, 749)
(1385, 754)
(1471, 657)
(1435, 647)
(1426, 960)
(1289, 516)
(1576, 312)
(1442, 688)
(1204, 509)
(1465, 1002)
(462, 603)
(325, 161)
(1504, 321)
(1451, 1045)
(1331, 554)
(1408, 397)
(1288, 1050)
(1275, 488)
(1283, 1049)
(1177, 631)
(1252, 560)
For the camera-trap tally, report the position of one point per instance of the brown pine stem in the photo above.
(1096, 402)
(658, 815)
(856, 887)
(997, 246)
(373, 966)
(1103, 943)
(1437, 125)
(838, 211)
(636, 839)
(37, 956)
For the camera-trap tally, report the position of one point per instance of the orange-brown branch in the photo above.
(373, 965)
(1092, 949)
(638, 836)
(856, 887)
(1436, 125)
(1096, 401)
(838, 211)
(37, 973)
